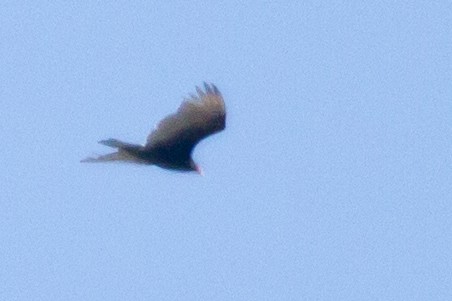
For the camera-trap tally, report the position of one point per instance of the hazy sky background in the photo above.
(332, 180)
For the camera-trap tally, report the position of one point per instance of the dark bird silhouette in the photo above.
(171, 144)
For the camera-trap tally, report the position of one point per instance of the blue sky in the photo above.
(332, 180)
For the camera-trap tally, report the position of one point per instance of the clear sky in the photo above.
(332, 180)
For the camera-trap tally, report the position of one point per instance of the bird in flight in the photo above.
(171, 144)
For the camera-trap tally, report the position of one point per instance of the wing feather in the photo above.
(199, 116)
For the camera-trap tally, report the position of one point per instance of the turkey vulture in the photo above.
(171, 144)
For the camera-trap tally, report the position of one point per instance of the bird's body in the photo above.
(171, 144)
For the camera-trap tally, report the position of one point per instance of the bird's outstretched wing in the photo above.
(198, 117)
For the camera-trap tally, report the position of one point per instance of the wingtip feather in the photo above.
(215, 90)
(201, 93)
(88, 160)
(208, 88)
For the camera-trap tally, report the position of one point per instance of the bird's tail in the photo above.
(126, 152)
